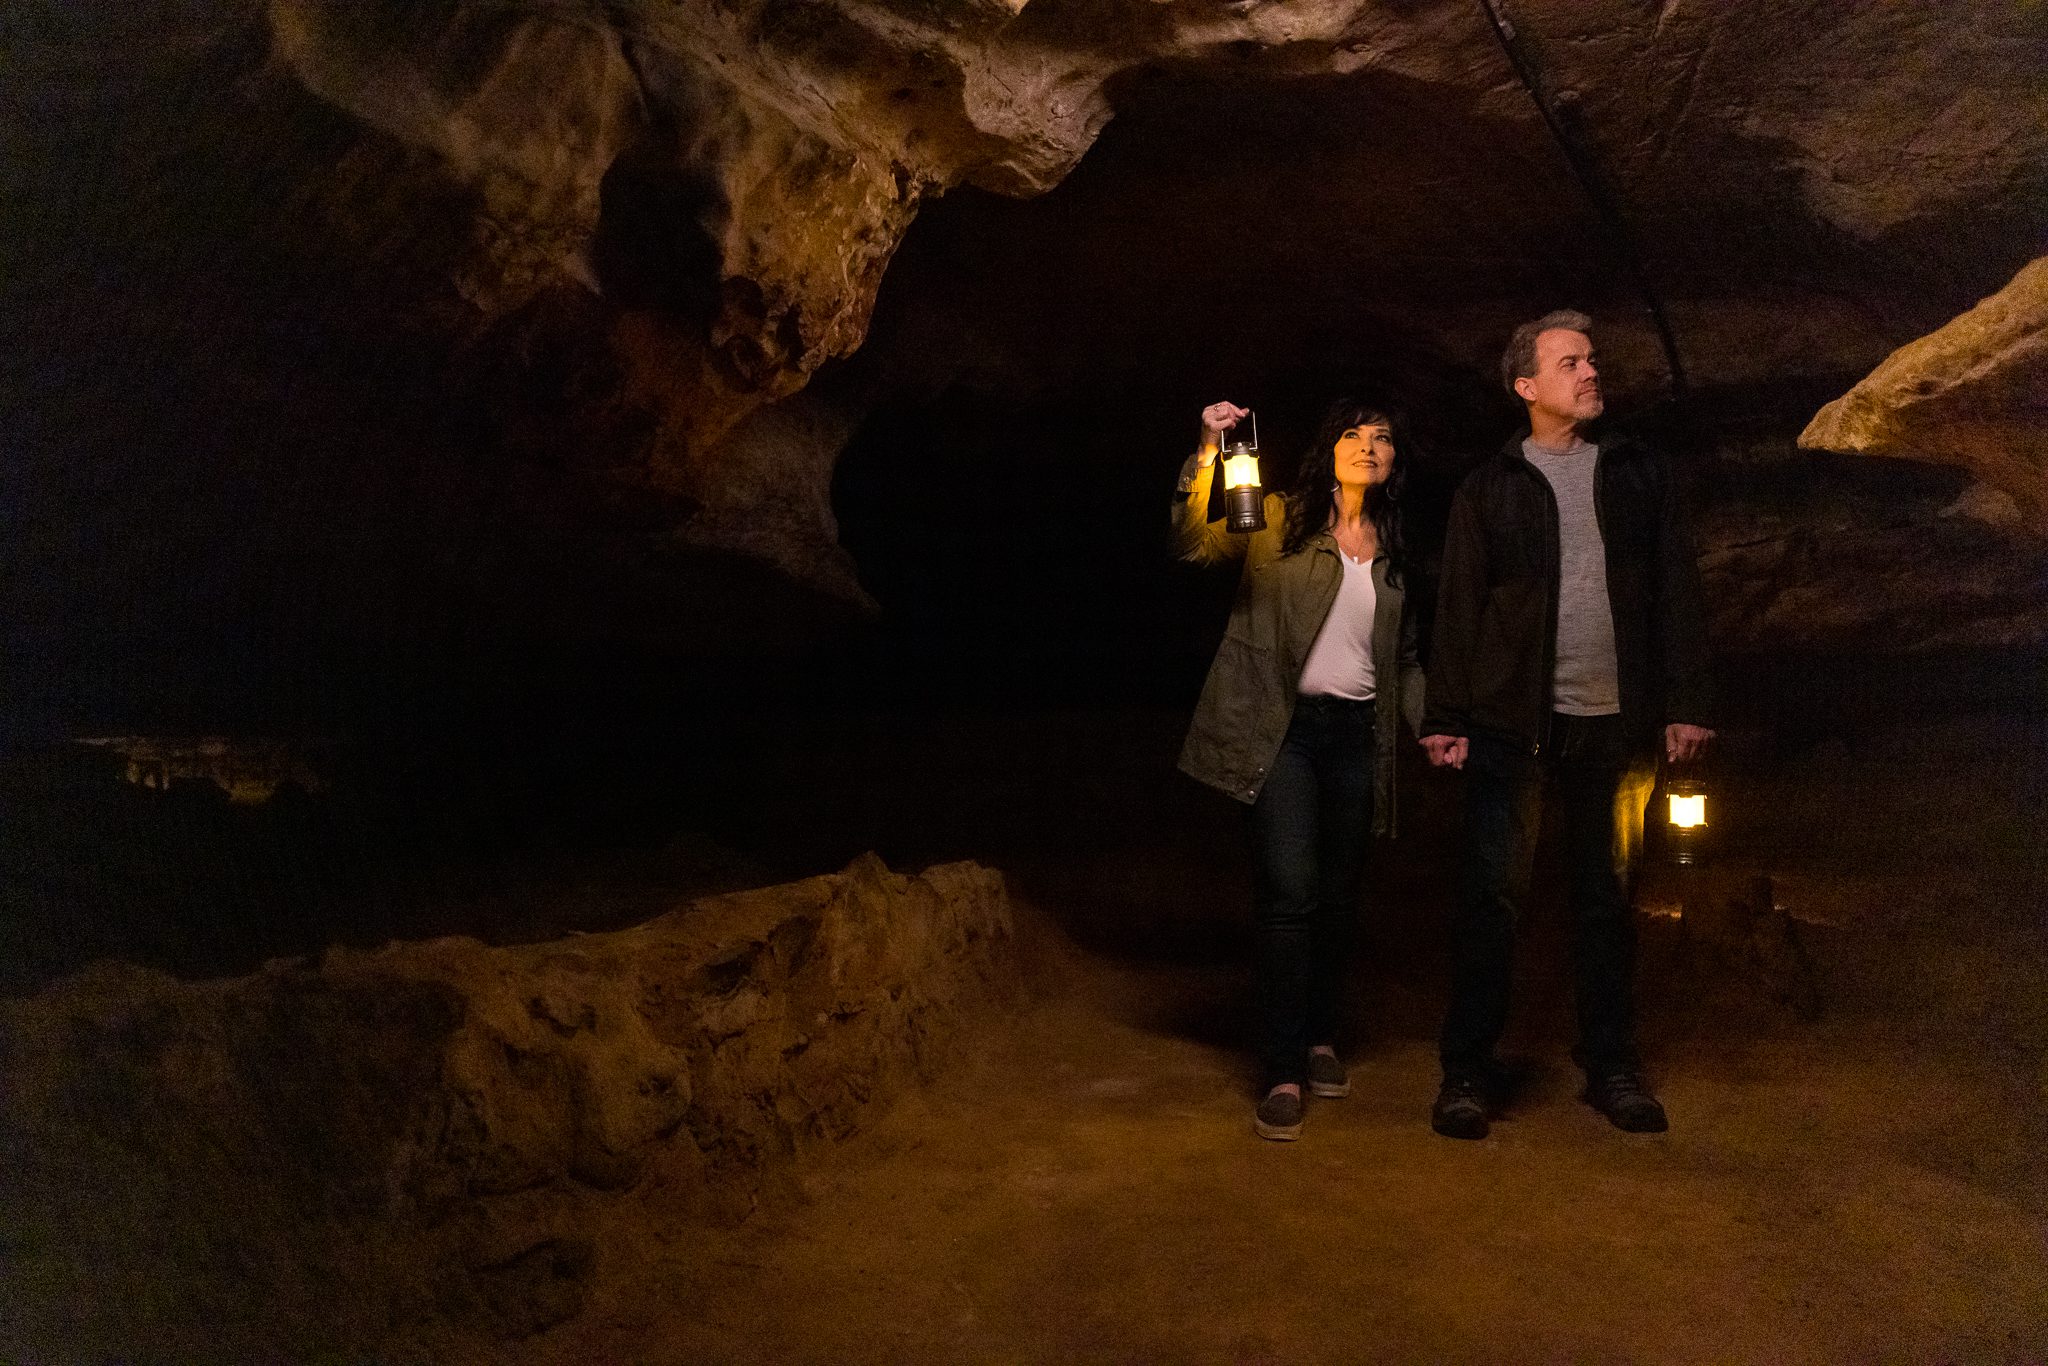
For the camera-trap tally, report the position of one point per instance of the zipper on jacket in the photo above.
(1542, 737)
(1606, 574)
(1600, 520)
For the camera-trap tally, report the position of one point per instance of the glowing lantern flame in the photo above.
(1688, 810)
(1241, 471)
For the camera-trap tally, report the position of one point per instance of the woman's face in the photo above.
(1365, 455)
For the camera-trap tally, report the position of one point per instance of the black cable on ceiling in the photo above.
(1585, 169)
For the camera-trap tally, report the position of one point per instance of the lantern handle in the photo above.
(1255, 433)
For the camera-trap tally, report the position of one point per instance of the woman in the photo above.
(1298, 718)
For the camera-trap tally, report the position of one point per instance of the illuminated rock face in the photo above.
(249, 772)
(325, 1151)
(1972, 393)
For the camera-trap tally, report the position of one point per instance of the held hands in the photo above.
(1219, 418)
(1683, 743)
(1446, 751)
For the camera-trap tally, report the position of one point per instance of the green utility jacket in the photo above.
(1248, 701)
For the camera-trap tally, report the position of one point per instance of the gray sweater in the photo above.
(1584, 682)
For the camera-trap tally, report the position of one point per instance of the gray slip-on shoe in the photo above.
(1326, 1077)
(1278, 1117)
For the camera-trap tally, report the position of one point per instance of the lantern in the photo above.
(1244, 501)
(1686, 813)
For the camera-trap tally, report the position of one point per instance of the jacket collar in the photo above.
(1327, 540)
(1609, 441)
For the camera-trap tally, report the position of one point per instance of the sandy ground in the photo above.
(1083, 1183)
(1088, 1188)
(1863, 1186)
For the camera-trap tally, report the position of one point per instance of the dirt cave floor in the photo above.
(1854, 1053)
(1089, 1189)
(1861, 1185)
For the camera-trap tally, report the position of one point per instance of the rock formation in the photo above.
(552, 263)
(1816, 552)
(330, 1151)
(1972, 393)
(249, 772)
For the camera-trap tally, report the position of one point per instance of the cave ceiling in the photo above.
(611, 244)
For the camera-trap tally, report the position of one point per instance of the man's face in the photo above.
(1566, 384)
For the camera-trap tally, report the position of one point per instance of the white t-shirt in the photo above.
(1340, 662)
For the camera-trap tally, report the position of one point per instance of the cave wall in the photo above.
(349, 340)
(445, 1137)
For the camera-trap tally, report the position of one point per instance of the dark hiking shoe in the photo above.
(1627, 1103)
(1278, 1117)
(1326, 1077)
(1460, 1109)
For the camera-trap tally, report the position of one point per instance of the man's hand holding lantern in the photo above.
(1683, 743)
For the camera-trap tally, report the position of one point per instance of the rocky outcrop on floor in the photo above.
(445, 1136)
(1972, 393)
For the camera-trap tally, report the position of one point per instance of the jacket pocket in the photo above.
(1239, 719)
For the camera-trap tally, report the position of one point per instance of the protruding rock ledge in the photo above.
(1972, 393)
(325, 1153)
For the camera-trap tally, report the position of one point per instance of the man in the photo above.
(1570, 650)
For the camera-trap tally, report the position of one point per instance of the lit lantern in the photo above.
(1686, 804)
(1244, 501)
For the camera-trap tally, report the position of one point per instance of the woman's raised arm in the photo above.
(1197, 539)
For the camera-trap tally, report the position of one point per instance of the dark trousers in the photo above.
(1602, 789)
(1310, 828)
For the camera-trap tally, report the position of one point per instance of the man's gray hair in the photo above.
(1519, 360)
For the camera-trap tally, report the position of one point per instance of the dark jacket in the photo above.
(1496, 619)
(1282, 600)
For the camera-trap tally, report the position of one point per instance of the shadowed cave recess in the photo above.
(489, 477)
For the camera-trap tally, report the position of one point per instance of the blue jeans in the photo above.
(1602, 789)
(1310, 828)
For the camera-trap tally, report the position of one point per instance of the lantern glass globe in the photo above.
(1688, 809)
(1241, 471)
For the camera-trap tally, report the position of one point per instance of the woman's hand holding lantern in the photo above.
(1219, 418)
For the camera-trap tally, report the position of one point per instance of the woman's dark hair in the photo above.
(1312, 502)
